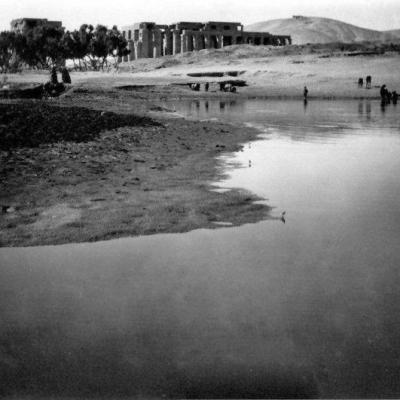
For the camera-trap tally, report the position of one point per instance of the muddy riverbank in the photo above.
(154, 176)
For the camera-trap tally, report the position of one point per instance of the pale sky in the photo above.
(373, 14)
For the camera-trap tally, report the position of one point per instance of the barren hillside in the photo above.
(321, 30)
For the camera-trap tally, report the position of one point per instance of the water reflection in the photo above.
(309, 307)
(361, 108)
(364, 109)
(118, 319)
(368, 110)
(296, 119)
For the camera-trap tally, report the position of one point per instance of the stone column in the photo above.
(131, 47)
(207, 41)
(139, 50)
(168, 42)
(196, 42)
(176, 42)
(201, 41)
(184, 42)
(126, 58)
(189, 42)
(156, 44)
(220, 41)
(146, 42)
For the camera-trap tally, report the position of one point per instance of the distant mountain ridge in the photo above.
(322, 30)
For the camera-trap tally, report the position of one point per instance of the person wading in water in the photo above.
(305, 92)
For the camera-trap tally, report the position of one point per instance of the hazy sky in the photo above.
(374, 14)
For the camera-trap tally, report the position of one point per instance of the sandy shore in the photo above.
(146, 179)
(328, 72)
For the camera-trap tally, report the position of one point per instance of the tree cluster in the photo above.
(46, 47)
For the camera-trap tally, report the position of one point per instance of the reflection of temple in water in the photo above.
(209, 108)
(150, 40)
(365, 110)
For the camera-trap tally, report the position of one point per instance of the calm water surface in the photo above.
(306, 308)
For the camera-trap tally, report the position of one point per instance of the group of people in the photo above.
(223, 87)
(196, 86)
(54, 88)
(387, 97)
(368, 82)
(227, 87)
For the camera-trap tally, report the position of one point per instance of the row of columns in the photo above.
(153, 44)
(195, 41)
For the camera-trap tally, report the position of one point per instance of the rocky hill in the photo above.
(322, 30)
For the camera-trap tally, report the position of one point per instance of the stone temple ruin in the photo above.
(149, 40)
(22, 24)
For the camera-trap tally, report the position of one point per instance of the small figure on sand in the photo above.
(368, 81)
(395, 97)
(383, 93)
(53, 76)
(360, 82)
(386, 96)
(206, 86)
(305, 92)
(194, 86)
(66, 78)
(53, 88)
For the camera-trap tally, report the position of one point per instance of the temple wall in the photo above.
(147, 39)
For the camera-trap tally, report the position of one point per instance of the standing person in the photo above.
(206, 86)
(53, 76)
(305, 92)
(383, 92)
(66, 78)
(388, 96)
(395, 97)
(368, 80)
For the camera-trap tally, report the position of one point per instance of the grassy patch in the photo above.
(31, 124)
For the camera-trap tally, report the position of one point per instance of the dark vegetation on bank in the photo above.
(43, 47)
(30, 124)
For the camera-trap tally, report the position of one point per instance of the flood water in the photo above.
(305, 308)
